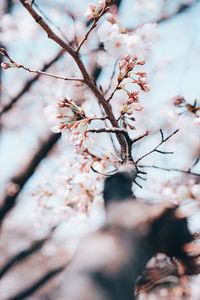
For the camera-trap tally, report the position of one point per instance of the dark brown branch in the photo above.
(113, 130)
(30, 82)
(35, 286)
(170, 169)
(194, 164)
(21, 178)
(140, 137)
(163, 140)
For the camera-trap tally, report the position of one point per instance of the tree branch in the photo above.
(163, 140)
(140, 137)
(40, 72)
(170, 169)
(94, 24)
(86, 77)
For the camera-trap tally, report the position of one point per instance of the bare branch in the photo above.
(195, 163)
(111, 79)
(113, 130)
(140, 137)
(40, 72)
(51, 75)
(170, 169)
(156, 148)
(162, 135)
(99, 118)
(51, 22)
(94, 23)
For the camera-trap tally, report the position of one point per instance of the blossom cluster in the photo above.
(120, 43)
(127, 76)
(94, 12)
(71, 118)
(76, 190)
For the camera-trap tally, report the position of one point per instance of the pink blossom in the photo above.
(92, 7)
(146, 88)
(138, 107)
(5, 65)
(101, 4)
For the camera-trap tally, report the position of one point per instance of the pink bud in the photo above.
(92, 7)
(130, 101)
(130, 67)
(5, 65)
(138, 108)
(101, 4)
(141, 62)
(146, 88)
(127, 58)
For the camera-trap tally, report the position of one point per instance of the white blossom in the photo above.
(116, 46)
(196, 191)
(107, 30)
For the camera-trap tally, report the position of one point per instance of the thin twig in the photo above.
(40, 72)
(51, 75)
(113, 92)
(111, 79)
(51, 22)
(163, 140)
(170, 169)
(99, 118)
(94, 23)
(112, 130)
(195, 163)
(140, 137)
(117, 86)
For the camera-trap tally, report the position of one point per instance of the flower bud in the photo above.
(5, 65)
